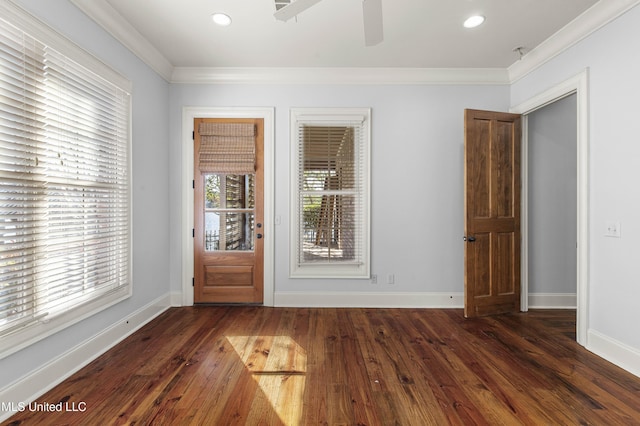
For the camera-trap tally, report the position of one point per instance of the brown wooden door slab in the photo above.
(492, 213)
(228, 226)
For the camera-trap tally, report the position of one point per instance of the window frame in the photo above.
(30, 333)
(330, 117)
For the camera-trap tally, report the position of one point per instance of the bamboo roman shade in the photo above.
(227, 148)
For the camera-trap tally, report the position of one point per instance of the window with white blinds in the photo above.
(330, 193)
(65, 222)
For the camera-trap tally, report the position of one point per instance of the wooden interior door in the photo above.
(492, 213)
(228, 227)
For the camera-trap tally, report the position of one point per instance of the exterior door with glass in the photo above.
(228, 206)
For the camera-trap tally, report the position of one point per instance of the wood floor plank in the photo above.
(359, 383)
(444, 381)
(561, 385)
(196, 365)
(339, 409)
(250, 365)
(389, 411)
(281, 377)
(520, 388)
(606, 387)
(234, 384)
(315, 398)
(523, 367)
(409, 373)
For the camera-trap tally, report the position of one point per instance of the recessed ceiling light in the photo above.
(473, 21)
(221, 19)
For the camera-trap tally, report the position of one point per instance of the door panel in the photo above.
(481, 264)
(228, 225)
(502, 150)
(233, 276)
(492, 212)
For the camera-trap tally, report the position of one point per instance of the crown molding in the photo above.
(587, 23)
(351, 76)
(109, 19)
(591, 20)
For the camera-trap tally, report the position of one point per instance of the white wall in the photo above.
(552, 186)
(417, 187)
(614, 154)
(150, 195)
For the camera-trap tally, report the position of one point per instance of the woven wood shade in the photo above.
(227, 148)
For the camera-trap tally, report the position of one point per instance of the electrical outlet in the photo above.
(612, 229)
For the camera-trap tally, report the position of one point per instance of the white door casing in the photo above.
(578, 85)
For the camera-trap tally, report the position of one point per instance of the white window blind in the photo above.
(64, 189)
(330, 195)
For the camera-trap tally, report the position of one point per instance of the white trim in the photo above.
(36, 383)
(35, 332)
(337, 117)
(340, 75)
(368, 300)
(111, 21)
(594, 18)
(188, 115)
(524, 217)
(176, 298)
(622, 355)
(406, 300)
(579, 85)
(552, 301)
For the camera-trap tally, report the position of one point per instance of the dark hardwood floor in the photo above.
(285, 366)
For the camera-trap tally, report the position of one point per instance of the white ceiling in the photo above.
(417, 33)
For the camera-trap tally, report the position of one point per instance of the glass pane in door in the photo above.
(236, 232)
(229, 214)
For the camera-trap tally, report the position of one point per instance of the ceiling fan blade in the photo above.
(286, 10)
(372, 16)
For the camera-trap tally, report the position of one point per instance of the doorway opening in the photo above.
(552, 208)
(576, 86)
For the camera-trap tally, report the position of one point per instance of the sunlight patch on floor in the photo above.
(278, 365)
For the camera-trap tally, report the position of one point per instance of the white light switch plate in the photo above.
(612, 229)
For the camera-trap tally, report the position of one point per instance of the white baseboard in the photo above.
(176, 298)
(552, 301)
(407, 300)
(38, 382)
(614, 351)
(368, 300)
